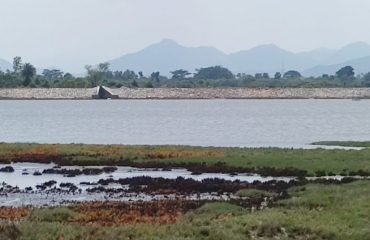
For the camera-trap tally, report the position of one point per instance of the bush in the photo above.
(52, 215)
(270, 228)
(9, 232)
(254, 193)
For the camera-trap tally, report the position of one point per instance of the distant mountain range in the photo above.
(4, 65)
(168, 55)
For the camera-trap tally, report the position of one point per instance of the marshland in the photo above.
(184, 120)
(195, 192)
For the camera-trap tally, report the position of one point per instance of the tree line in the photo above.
(25, 75)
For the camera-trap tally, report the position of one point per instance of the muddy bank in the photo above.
(56, 185)
(189, 93)
(142, 188)
(27, 175)
(76, 172)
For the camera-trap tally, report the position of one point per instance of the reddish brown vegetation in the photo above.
(164, 154)
(13, 214)
(140, 157)
(121, 213)
(30, 157)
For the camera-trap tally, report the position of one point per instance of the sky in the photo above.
(69, 34)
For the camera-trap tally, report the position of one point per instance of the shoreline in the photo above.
(186, 93)
(273, 162)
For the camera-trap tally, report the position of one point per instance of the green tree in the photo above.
(277, 75)
(134, 84)
(180, 74)
(266, 76)
(103, 67)
(345, 72)
(28, 72)
(155, 76)
(292, 74)
(96, 75)
(17, 65)
(216, 72)
(68, 76)
(129, 75)
(366, 79)
(258, 76)
(52, 73)
(141, 75)
(93, 75)
(149, 85)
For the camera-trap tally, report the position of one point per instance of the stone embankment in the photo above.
(242, 93)
(190, 93)
(47, 93)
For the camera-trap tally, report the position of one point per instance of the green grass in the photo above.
(254, 193)
(58, 214)
(364, 144)
(314, 211)
(336, 161)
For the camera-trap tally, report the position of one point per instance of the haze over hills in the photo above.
(319, 55)
(361, 66)
(356, 55)
(168, 55)
(4, 65)
(266, 58)
(349, 52)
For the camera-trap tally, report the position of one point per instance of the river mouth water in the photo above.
(225, 123)
(29, 185)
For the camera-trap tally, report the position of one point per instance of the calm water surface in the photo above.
(252, 123)
(35, 197)
(22, 181)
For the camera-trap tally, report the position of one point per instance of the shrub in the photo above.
(52, 215)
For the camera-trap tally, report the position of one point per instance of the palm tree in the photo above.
(28, 72)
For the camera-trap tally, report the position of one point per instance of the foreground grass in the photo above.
(335, 161)
(313, 212)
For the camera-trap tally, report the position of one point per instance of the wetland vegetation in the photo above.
(314, 211)
(299, 209)
(265, 161)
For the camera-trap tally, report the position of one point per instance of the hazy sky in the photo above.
(72, 33)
